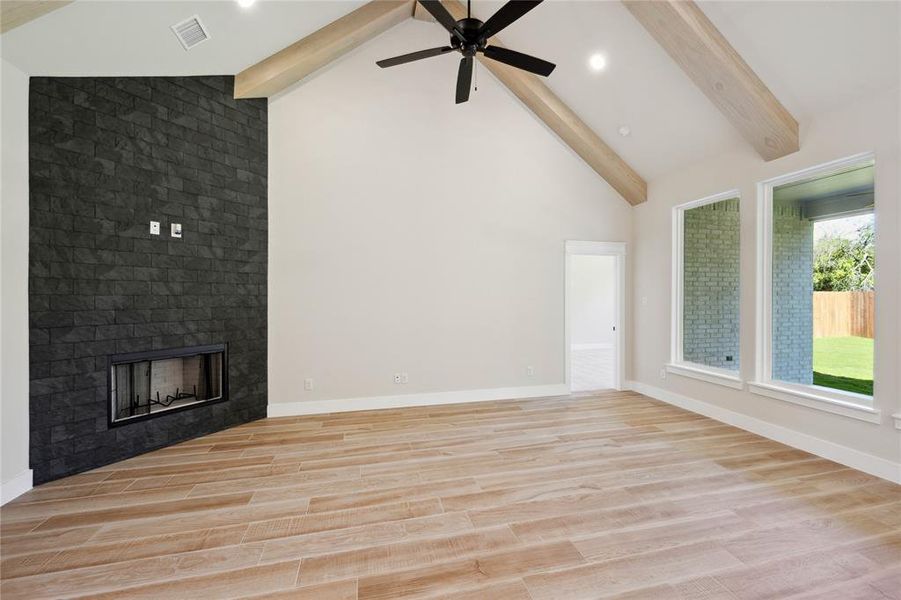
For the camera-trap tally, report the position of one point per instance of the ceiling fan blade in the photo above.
(505, 15)
(520, 60)
(464, 79)
(437, 10)
(405, 58)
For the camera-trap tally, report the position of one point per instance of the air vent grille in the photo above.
(190, 32)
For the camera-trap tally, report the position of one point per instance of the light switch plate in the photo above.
(154, 228)
(176, 230)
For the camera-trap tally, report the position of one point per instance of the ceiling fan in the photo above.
(470, 36)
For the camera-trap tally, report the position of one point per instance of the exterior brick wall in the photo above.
(792, 350)
(107, 156)
(711, 255)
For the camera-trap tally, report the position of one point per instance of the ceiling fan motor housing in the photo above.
(472, 42)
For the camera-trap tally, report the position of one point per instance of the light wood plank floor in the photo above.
(600, 495)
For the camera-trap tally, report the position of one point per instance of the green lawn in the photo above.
(844, 363)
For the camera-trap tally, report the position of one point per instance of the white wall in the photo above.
(14, 280)
(872, 125)
(592, 299)
(408, 234)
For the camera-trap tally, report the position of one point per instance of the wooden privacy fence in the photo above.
(840, 314)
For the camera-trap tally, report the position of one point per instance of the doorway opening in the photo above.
(594, 304)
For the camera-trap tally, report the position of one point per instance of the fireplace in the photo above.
(144, 385)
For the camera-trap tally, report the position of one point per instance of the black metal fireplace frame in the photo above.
(132, 357)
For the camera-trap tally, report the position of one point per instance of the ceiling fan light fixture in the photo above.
(597, 62)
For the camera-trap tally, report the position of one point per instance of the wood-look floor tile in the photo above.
(309, 523)
(93, 554)
(757, 545)
(634, 572)
(45, 540)
(387, 495)
(90, 580)
(883, 585)
(508, 590)
(194, 467)
(41, 493)
(335, 590)
(458, 576)
(401, 556)
(234, 583)
(361, 536)
(49, 508)
(794, 575)
(182, 522)
(143, 511)
(596, 495)
(660, 537)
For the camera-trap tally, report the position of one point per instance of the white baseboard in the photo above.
(317, 407)
(16, 486)
(850, 457)
(598, 346)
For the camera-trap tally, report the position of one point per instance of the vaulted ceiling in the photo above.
(814, 56)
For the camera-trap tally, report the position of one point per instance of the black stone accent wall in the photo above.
(107, 156)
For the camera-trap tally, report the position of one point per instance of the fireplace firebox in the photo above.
(143, 385)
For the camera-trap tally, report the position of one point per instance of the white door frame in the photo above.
(618, 251)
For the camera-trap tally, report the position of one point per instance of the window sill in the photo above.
(811, 399)
(717, 376)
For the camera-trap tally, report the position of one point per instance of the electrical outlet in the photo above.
(530, 371)
(663, 373)
(644, 300)
(397, 378)
(176, 230)
(154, 228)
(308, 384)
(405, 378)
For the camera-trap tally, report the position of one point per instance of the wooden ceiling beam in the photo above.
(564, 122)
(318, 49)
(18, 12)
(421, 14)
(697, 46)
(290, 65)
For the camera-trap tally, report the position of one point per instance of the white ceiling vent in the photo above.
(190, 32)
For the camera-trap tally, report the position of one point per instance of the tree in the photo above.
(841, 264)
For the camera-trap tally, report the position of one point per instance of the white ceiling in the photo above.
(815, 56)
(125, 37)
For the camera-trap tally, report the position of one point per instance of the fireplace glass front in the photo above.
(146, 384)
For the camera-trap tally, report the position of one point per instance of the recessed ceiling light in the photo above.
(625, 131)
(246, 3)
(597, 62)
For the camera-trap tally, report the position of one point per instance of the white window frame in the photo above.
(678, 365)
(848, 404)
(618, 251)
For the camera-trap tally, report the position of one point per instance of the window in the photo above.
(817, 288)
(706, 273)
